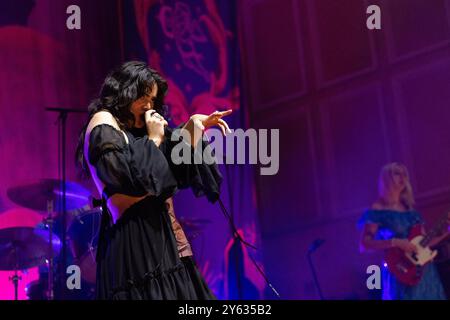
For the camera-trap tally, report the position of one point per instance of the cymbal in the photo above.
(35, 196)
(25, 247)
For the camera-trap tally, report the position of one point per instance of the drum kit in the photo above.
(40, 246)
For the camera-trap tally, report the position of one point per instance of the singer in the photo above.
(125, 146)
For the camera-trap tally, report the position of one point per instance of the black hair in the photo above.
(124, 85)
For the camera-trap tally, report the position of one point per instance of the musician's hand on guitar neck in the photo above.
(405, 245)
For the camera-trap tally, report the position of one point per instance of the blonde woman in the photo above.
(387, 225)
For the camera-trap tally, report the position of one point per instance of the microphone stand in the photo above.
(62, 125)
(238, 237)
(236, 254)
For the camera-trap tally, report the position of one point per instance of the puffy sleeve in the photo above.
(200, 174)
(134, 169)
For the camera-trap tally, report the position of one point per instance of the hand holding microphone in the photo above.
(155, 126)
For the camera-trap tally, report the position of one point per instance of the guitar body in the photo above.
(407, 268)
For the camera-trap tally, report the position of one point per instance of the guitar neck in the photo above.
(435, 231)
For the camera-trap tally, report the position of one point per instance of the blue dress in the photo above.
(394, 224)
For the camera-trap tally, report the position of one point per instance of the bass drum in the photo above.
(83, 238)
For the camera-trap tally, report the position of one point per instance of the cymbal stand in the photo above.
(15, 278)
(62, 123)
(48, 221)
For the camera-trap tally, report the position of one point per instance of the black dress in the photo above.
(137, 257)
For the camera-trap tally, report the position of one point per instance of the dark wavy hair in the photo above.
(123, 86)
